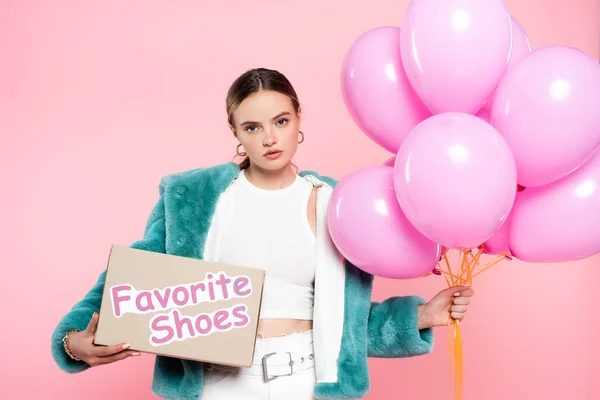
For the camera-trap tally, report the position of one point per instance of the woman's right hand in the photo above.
(81, 344)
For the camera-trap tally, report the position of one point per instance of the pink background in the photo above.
(98, 100)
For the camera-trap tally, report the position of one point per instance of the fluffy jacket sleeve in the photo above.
(80, 314)
(392, 329)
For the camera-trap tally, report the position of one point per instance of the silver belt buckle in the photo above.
(266, 376)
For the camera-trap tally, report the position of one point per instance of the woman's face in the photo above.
(267, 126)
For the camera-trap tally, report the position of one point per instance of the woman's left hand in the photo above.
(449, 303)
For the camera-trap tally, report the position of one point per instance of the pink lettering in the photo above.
(117, 299)
(171, 326)
(148, 306)
(211, 288)
(220, 317)
(215, 287)
(194, 289)
(223, 281)
(156, 327)
(180, 321)
(186, 296)
(163, 300)
(198, 324)
(240, 312)
(239, 285)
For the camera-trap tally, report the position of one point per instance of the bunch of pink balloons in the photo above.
(473, 116)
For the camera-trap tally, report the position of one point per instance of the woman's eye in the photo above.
(251, 128)
(282, 121)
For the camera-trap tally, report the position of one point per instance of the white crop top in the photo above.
(269, 230)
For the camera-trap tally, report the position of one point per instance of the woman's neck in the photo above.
(269, 179)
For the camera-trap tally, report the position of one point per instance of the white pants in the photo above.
(228, 383)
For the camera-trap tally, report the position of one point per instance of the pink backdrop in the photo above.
(98, 100)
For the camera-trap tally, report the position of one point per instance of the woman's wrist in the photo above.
(65, 340)
(423, 320)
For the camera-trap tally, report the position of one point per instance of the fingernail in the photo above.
(126, 345)
(136, 354)
(457, 294)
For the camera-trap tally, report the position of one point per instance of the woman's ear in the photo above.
(233, 130)
(299, 114)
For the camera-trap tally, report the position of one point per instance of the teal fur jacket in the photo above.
(347, 326)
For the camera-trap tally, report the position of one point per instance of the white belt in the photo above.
(273, 365)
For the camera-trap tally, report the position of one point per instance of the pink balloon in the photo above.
(498, 243)
(484, 115)
(521, 47)
(377, 92)
(455, 179)
(561, 221)
(369, 229)
(455, 52)
(546, 107)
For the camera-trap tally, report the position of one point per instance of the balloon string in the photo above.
(446, 278)
(491, 264)
(458, 362)
(464, 267)
(448, 265)
(467, 263)
(450, 350)
(452, 277)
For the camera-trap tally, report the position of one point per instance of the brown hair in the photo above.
(253, 81)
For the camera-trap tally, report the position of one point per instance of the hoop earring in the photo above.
(301, 140)
(237, 151)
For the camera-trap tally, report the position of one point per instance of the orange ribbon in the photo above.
(468, 262)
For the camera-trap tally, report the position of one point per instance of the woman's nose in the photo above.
(269, 139)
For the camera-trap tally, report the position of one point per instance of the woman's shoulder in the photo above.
(322, 178)
(218, 174)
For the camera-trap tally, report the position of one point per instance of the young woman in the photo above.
(318, 324)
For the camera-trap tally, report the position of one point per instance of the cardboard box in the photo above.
(180, 307)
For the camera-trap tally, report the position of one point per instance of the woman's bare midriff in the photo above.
(268, 328)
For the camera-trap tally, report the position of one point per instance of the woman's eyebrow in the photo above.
(281, 114)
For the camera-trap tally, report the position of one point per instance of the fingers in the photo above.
(93, 324)
(461, 300)
(469, 292)
(459, 290)
(452, 290)
(457, 315)
(104, 351)
(458, 308)
(97, 361)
